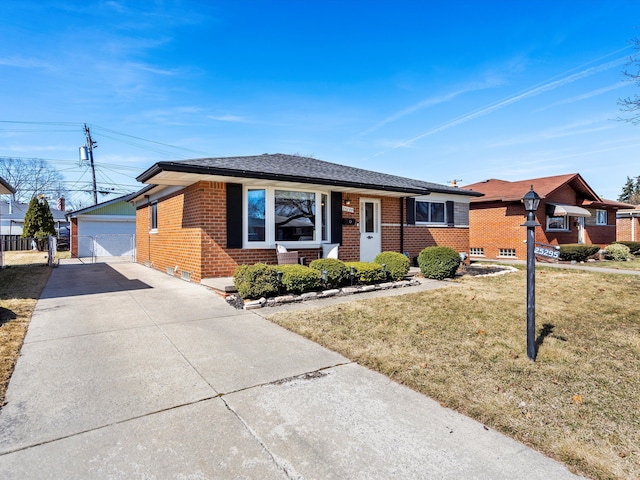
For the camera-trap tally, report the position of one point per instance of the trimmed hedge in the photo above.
(255, 281)
(439, 262)
(337, 271)
(634, 247)
(298, 278)
(577, 252)
(617, 252)
(367, 272)
(397, 264)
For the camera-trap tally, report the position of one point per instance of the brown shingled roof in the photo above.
(503, 190)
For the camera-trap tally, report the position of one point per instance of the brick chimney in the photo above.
(60, 205)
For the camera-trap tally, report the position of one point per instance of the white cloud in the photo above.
(586, 96)
(531, 92)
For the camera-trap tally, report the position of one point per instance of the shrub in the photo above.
(298, 278)
(634, 247)
(367, 272)
(577, 252)
(439, 262)
(337, 271)
(617, 252)
(255, 281)
(397, 264)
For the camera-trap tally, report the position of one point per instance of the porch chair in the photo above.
(285, 257)
(330, 250)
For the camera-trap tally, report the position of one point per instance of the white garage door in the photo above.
(103, 238)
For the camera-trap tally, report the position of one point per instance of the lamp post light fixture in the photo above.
(325, 276)
(279, 279)
(531, 201)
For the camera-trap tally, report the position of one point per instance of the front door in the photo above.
(370, 237)
(581, 230)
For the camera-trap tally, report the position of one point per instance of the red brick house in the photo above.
(628, 225)
(202, 218)
(569, 212)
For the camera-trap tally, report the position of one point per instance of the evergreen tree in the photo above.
(38, 221)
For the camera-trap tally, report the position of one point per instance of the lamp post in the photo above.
(531, 201)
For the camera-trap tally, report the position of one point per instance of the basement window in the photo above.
(476, 252)
(507, 252)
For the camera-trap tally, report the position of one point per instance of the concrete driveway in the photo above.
(130, 373)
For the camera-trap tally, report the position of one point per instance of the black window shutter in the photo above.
(411, 211)
(336, 217)
(234, 215)
(450, 220)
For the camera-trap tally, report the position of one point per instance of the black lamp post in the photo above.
(531, 201)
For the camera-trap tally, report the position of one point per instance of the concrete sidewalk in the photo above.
(129, 373)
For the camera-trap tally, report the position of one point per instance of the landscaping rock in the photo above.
(255, 304)
(349, 290)
(285, 299)
(329, 293)
(308, 296)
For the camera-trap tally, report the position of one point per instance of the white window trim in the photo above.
(509, 255)
(605, 218)
(269, 228)
(566, 222)
(415, 213)
(153, 205)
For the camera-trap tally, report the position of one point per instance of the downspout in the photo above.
(401, 224)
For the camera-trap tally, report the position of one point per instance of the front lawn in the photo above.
(630, 265)
(20, 288)
(466, 348)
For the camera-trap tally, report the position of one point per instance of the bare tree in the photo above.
(31, 177)
(631, 105)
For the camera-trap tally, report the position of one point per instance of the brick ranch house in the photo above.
(628, 224)
(569, 212)
(202, 218)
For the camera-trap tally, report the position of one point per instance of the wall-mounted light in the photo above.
(347, 201)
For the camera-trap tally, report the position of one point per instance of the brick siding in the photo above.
(628, 229)
(191, 235)
(496, 225)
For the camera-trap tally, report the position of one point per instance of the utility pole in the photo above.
(90, 146)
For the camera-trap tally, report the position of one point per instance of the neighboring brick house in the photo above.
(628, 225)
(569, 212)
(202, 218)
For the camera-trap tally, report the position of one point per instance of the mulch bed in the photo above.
(475, 270)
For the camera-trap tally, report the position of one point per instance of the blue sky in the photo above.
(427, 89)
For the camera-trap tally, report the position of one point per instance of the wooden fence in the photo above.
(12, 243)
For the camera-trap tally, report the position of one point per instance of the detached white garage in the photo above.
(104, 230)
